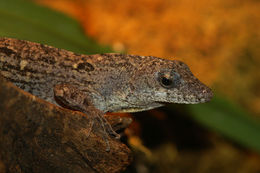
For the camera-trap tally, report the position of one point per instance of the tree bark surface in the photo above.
(36, 136)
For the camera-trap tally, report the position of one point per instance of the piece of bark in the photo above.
(36, 136)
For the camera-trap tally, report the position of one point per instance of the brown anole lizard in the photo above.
(96, 84)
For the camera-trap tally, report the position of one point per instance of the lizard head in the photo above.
(159, 81)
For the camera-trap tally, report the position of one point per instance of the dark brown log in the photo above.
(36, 136)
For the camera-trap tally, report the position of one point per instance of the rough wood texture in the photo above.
(36, 136)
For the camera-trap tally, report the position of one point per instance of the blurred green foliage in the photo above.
(24, 20)
(230, 120)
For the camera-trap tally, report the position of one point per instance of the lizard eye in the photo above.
(168, 80)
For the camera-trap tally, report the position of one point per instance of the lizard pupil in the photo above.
(166, 82)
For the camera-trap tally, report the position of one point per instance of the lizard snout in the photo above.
(202, 93)
(206, 95)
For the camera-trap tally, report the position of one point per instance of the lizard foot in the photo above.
(108, 127)
(105, 128)
(70, 97)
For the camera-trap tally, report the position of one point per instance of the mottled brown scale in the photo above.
(110, 82)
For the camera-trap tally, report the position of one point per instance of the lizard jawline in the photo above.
(140, 109)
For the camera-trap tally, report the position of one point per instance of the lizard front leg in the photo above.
(73, 98)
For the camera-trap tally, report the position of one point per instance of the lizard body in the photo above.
(109, 82)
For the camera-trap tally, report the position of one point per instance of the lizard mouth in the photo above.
(142, 108)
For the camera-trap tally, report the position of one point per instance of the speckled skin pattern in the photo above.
(113, 82)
